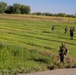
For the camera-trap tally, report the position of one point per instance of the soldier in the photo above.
(71, 32)
(66, 29)
(62, 52)
(53, 27)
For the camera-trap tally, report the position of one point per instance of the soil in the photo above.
(55, 72)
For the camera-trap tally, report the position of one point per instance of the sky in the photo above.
(50, 6)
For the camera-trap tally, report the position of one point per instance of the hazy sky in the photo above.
(51, 6)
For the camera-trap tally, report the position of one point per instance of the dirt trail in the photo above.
(55, 72)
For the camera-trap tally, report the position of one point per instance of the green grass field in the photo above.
(29, 45)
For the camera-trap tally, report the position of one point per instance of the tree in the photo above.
(47, 14)
(25, 9)
(70, 16)
(9, 10)
(16, 8)
(3, 6)
(61, 14)
(37, 13)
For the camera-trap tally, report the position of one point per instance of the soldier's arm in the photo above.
(67, 51)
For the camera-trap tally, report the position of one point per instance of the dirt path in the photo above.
(55, 72)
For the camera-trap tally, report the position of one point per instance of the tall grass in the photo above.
(22, 60)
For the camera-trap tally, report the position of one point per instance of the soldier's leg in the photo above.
(61, 58)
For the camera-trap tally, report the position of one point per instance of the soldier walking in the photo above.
(53, 27)
(62, 52)
(66, 29)
(71, 32)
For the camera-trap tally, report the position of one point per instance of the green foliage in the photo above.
(25, 9)
(68, 15)
(23, 60)
(37, 13)
(9, 10)
(40, 58)
(3, 6)
(57, 15)
(15, 9)
(16, 6)
(55, 65)
(61, 14)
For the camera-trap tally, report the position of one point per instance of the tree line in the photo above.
(14, 9)
(57, 15)
(24, 9)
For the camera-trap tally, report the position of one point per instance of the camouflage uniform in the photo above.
(66, 29)
(53, 27)
(62, 52)
(71, 33)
